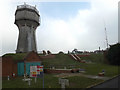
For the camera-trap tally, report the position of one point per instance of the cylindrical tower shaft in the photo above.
(27, 20)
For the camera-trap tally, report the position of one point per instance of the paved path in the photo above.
(80, 74)
(109, 83)
(112, 83)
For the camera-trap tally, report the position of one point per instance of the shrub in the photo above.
(113, 54)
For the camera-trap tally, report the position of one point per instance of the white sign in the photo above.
(35, 71)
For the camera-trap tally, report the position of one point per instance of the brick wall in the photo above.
(15, 68)
(83, 55)
(32, 57)
(48, 56)
(7, 66)
(56, 71)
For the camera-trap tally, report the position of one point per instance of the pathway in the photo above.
(80, 74)
(112, 83)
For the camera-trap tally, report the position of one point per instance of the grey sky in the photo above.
(82, 29)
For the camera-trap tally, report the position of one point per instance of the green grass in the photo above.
(97, 58)
(64, 60)
(59, 60)
(16, 56)
(93, 68)
(49, 82)
(82, 82)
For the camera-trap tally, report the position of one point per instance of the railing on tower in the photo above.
(27, 6)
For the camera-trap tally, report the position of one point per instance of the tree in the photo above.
(113, 54)
(44, 52)
(48, 52)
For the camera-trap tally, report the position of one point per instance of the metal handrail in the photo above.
(27, 6)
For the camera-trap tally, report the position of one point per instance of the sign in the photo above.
(36, 71)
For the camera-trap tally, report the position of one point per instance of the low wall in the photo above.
(57, 70)
(83, 55)
(48, 56)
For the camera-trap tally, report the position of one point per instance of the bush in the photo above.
(113, 54)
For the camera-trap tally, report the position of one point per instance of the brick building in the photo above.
(19, 63)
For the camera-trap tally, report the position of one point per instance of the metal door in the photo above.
(20, 66)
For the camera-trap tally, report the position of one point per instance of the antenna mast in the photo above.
(106, 35)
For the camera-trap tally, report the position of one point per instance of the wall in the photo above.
(27, 14)
(15, 68)
(48, 56)
(33, 57)
(56, 71)
(83, 55)
(7, 66)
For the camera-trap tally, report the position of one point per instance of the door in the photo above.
(28, 64)
(20, 66)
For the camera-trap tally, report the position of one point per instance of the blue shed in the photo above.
(32, 59)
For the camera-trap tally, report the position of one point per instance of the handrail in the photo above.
(27, 6)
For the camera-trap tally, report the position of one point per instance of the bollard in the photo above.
(35, 79)
(8, 78)
(29, 83)
(63, 86)
(24, 77)
(13, 74)
(26, 74)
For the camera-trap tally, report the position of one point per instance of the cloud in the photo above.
(55, 35)
(84, 31)
(9, 30)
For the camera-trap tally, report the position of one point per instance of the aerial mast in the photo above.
(106, 36)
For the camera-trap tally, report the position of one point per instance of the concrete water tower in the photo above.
(27, 20)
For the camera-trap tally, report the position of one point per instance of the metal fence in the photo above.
(27, 6)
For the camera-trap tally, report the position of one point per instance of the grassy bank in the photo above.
(97, 65)
(49, 82)
(61, 61)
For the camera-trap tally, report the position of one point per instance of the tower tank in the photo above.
(27, 20)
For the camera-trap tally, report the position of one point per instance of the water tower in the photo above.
(27, 20)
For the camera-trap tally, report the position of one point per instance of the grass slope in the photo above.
(60, 59)
(16, 56)
(94, 68)
(97, 58)
(64, 60)
(49, 82)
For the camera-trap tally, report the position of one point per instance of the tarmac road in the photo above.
(112, 83)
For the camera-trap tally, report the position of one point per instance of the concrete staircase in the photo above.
(75, 57)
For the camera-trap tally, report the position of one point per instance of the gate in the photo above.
(20, 66)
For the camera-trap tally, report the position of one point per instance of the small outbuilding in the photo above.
(19, 63)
